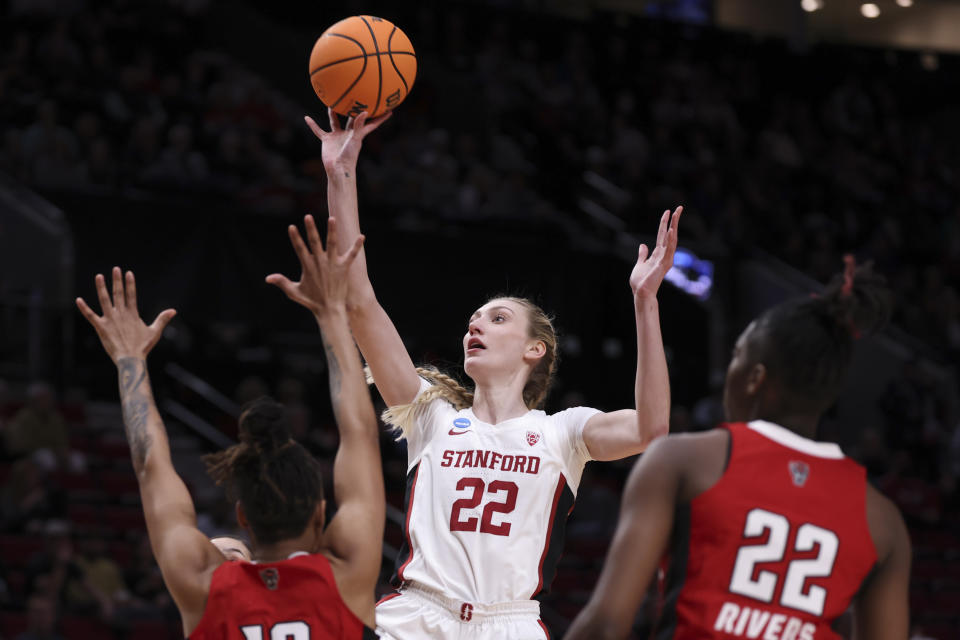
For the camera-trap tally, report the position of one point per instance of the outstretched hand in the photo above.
(341, 145)
(650, 270)
(122, 332)
(323, 277)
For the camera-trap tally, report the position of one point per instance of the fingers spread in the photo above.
(131, 288)
(87, 312)
(105, 305)
(313, 236)
(302, 253)
(317, 131)
(662, 231)
(360, 120)
(351, 255)
(334, 119)
(332, 236)
(118, 300)
(162, 320)
(372, 125)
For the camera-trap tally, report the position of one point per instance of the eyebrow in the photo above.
(477, 312)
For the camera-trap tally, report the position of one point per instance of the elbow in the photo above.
(649, 433)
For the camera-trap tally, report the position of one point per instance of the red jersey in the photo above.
(776, 549)
(294, 599)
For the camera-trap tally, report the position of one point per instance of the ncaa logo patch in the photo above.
(532, 438)
(271, 578)
(799, 472)
(461, 423)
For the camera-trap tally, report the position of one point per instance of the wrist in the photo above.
(341, 170)
(330, 313)
(645, 301)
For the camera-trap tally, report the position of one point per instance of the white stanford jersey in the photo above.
(486, 505)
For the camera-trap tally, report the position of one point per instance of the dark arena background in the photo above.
(537, 149)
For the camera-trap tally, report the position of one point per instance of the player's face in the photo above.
(497, 338)
(736, 399)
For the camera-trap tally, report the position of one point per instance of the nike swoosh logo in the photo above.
(457, 433)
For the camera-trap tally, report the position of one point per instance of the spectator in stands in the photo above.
(42, 618)
(26, 500)
(102, 579)
(39, 427)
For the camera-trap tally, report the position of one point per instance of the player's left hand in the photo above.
(650, 270)
(323, 280)
(122, 332)
(341, 145)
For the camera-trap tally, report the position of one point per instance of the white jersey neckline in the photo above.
(792, 440)
(502, 423)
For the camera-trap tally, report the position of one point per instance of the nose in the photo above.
(474, 327)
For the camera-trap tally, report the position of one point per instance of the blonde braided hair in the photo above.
(402, 417)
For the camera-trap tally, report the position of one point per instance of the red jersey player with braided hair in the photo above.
(770, 534)
(306, 583)
(491, 478)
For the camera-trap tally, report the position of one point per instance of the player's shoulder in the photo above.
(690, 443)
(887, 527)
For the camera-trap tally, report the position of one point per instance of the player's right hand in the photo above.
(341, 145)
(323, 278)
(122, 332)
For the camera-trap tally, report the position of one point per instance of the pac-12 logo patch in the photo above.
(799, 472)
(460, 425)
(271, 578)
(532, 438)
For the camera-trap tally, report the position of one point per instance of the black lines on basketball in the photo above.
(330, 64)
(406, 88)
(376, 46)
(362, 69)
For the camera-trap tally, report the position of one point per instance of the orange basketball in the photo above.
(363, 63)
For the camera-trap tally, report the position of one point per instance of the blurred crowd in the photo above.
(803, 155)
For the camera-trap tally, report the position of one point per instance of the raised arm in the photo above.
(185, 555)
(618, 434)
(393, 370)
(355, 535)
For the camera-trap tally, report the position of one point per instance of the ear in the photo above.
(242, 518)
(535, 351)
(320, 517)
(756, 378)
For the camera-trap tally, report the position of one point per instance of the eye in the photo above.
(499, 317)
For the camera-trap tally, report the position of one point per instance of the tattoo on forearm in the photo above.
(346, 174)
(336, 377)
(136, 407)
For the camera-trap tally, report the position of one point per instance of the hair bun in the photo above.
(263, 425)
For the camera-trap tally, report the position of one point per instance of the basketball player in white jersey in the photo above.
(491, 478)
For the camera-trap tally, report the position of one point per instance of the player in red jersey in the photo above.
(307, 583)
(770, 534)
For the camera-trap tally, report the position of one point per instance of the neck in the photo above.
(801, 424)
(503, 400)
(281, 550)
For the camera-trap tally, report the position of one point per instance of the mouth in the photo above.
(474, 345)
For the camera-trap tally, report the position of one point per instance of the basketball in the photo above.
(363, 63)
